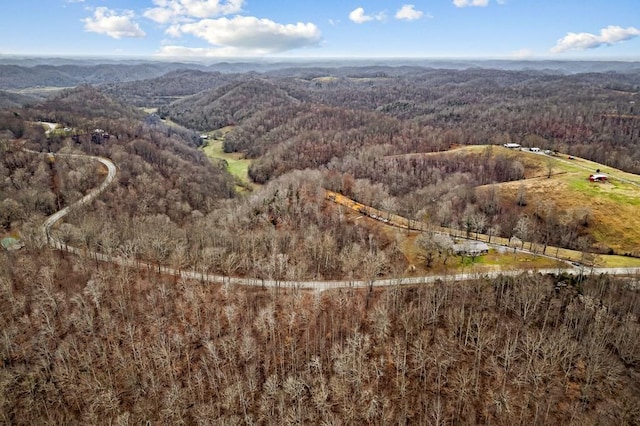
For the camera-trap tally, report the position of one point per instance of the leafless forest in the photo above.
(85, 342)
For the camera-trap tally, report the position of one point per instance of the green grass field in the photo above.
(613, 206)
(237, 165)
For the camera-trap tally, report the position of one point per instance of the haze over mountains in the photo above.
(20, 73)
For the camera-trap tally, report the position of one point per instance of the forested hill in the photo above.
(18, 73)
(592, 115)
(229, 104)
(14, 100)
(74, 106)
(349, 121)
(19, 77)
(161, 171)
(87, 341)
(168, 87)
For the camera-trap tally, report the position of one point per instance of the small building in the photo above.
(99, 135)
(11, 244)
(512, 145)
(470, 248)
(598, 177)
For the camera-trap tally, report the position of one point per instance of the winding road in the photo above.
(257, 282)
(111, 174)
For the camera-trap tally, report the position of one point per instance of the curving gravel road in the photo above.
(111, 174)
(257, 282)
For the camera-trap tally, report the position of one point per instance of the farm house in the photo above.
(470, 248)
(598, 177)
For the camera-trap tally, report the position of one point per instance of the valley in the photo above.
(326, 244)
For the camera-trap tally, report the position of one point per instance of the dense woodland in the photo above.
(88, 342)
(589, 115)
(85, 344)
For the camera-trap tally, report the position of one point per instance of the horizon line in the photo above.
(271, 59)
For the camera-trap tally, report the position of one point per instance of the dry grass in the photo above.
(613, 206)
(495, 260)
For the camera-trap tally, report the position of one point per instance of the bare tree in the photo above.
(521, 196)
(523, 229)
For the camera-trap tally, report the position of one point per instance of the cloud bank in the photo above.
(109, 22)
(607, 37)
(251, 35)
(469, 3)
(358, 16)
(408, 12)
(524, 53)
(227, 36)
(166, 11)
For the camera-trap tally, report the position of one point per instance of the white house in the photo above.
(470, 248)
(598, 177)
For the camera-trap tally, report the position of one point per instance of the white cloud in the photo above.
(608, 36)
(178, 10)
(466, 3)
(236, 36)
(409, 12)
(250, 35)
(359, 17)
(522, 54)
(106, 21)
(209, 52)
(173, 31)
(160, 15)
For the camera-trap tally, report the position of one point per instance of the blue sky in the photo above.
(560, 29)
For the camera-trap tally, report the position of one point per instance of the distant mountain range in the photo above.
(20, 73)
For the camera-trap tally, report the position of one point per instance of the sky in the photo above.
(205, 29)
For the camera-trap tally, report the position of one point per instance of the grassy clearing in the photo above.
(507, 259)
(618, 262)
(45, 90)
(618, 192)
(237, 165)
(613, 206)
(494, 260)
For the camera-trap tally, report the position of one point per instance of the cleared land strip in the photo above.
(391, 219)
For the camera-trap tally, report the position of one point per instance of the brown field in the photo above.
(495, 260)
(612, 206)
